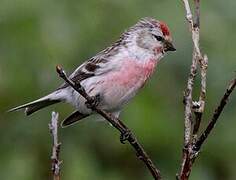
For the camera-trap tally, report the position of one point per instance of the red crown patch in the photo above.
(164, 28)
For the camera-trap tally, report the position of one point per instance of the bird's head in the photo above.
(152, 35)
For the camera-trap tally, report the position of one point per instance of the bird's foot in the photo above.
(93, 102)
(125, 136)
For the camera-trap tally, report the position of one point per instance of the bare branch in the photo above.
(190, 127)
(53, 127)
(197, 13)
(189, 15)
(215, 116)
(202, 98)
(197, 57)
(192, 143)
(126, 134)
(193, 150)
(188, 101)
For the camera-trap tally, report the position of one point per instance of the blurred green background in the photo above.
(37, 35)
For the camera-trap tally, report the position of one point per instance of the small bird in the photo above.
(115, 74)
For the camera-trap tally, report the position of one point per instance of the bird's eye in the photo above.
(159, 38)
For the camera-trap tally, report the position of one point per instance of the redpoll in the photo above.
(115, 74)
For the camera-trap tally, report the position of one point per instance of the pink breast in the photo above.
(133, 73)
(121, 85)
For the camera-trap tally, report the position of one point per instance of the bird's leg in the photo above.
(125, 136)
(93, 102)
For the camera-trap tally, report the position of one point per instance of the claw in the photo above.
(95, 100)
(125, 136)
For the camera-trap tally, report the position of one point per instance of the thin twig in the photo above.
(189, 15)
(202, 97)
(197, 13)
(53, 127)
(203, 63)
(126, 134)
(215, 116)
(194, 149)
(188, 114)
(189, 106)
(192, 144)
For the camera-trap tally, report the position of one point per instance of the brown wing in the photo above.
(86, 70)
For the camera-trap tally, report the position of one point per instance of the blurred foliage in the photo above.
(37, 35)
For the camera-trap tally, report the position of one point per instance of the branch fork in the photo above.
(195, 109)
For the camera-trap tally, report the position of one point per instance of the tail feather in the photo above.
(36, 105)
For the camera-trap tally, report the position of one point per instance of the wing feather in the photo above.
(96, 65)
